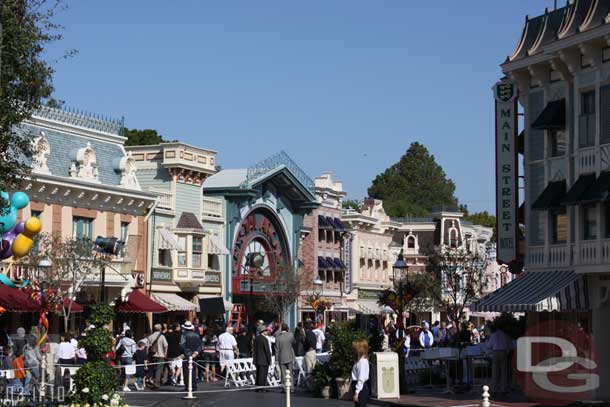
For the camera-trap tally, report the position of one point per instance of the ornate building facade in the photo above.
(187, 252)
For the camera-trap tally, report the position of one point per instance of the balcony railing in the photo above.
(586, 160)
(583, 253)
(212, 208)
(166, 200)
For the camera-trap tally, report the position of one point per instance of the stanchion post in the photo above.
(43, 378)
(485, 397)
(288, 386)
(189, 394)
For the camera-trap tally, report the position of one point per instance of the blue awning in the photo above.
(339, 263)
(323, 264)
(323, 223)
(338, 224)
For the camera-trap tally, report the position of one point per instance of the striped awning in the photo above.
(539, 291)
(215, 245)
(174, 302)
(167, 240)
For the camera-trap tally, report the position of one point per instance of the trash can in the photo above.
(385, 376)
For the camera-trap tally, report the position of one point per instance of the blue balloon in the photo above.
(20, 200)
(8, 215)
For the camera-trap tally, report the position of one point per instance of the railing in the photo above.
(587, 252)
(166, 200)
(558, 255)
(82, 119)
(583, 253)
(275, 161)
(586, 160)
(535, 256)
(212, 208)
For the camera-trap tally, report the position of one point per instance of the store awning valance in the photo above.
(371, 308)
(338, 224)
(174, 302)
(216, 246)
(331, 263)
(139, 302)
(338, 264)
(167, 240)
(539, 291)
(578, 189)
(551, 197)
(553, 117)
(16, 300)
(76, 308)
(323, 222)
(323, 264)
(599, 191)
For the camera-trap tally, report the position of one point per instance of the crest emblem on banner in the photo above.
(505, 91)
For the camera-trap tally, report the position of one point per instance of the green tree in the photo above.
(26, 27)
(351, 204)
(483, 219)
(144, 137)
(413, 185)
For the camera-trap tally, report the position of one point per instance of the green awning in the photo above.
(578, 189)
(552, 117)
(551, 197)
(599, 191)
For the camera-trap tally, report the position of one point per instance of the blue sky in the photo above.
(343, 85)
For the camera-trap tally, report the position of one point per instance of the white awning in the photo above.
(371, 308)
(215, 245)
(167, 240)
(174, 302)
(539, 291)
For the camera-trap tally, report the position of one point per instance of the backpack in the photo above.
(152, 349)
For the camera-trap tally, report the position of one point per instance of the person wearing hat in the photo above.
(262, 357)
(227, 347)
(191, 347)
(426, 339)
(157, 351)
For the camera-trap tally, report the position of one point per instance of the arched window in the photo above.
(410, 242)
(453, 237)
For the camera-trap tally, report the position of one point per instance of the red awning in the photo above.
(14, 299)
(139, 302)
(76, 307)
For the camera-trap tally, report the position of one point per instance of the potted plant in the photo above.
(322, 378)
(342, 334)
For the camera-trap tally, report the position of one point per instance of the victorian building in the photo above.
(264, 207)
(187, 252)
(324, 251)
(83, 185)
(561, 70)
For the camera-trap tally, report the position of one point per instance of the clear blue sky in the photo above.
(342, 85)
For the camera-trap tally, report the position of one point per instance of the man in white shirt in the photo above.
(320, 338)
(227, 346)
(426, 339)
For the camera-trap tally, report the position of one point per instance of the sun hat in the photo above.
(188, 326)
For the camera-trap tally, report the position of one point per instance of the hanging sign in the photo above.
(507, 193)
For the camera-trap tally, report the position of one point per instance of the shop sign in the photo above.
(505, 95)
(212, 278)
(162, 275)
(368, 294)
(347, 260)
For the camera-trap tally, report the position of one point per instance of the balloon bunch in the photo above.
(17, 238)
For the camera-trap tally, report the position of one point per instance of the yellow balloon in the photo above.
(24, 241)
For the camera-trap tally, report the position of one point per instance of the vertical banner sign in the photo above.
(347, 260)
(505, 95)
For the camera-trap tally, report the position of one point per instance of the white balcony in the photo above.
(586, 159)
(166, 198)
(586, 254)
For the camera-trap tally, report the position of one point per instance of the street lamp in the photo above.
(400, 287)
(399, 266)
(318, 286)
(254, 262)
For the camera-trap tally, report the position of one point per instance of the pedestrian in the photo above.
(66, 353)
(320, 338)
(499, 344)
(244, 343)
(173, 353)
(435, 328)
(209, 355)
(32, 358)
(426, 339)
(360, 373)
(81, 353)
(157, 352)
(262, 358)
(441, 337)
(227, 347)
(126, 348)
(299, 340)
(285, 352)
(22, 379)
(19, 340)
(141, 359)
(310, 353)
(191, 347)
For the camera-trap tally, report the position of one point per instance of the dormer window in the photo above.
(411, 242)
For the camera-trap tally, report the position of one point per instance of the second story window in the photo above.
(182, 251)
(197, 251)
(586, 121)
(557, 143)
(589, 221)
(165, 258)
(82, 228)
(559, 227)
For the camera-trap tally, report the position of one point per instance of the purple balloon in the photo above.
(7, 244)
(19, 228)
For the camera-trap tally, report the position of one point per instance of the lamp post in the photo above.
(318, 289)
(254, 262)
(398, 268)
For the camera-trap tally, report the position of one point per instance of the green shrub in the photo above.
(101, 314)
(97, 342)
(322, 375)
(92, 381)
(342, 334)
